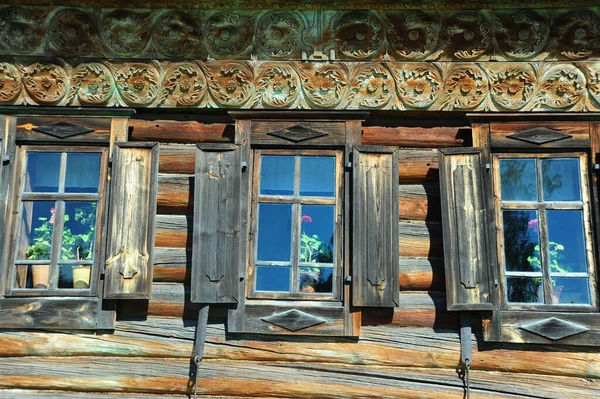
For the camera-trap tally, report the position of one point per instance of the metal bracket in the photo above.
(466, 349)
(5, 159)
(596, 166)
(488, 166)
(199, 341)
(349, 165)
(244, 165)
(348, 279)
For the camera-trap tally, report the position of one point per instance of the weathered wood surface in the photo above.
(415, 166)
(54, 394)
(168, 131)
(579, 132)
(175, 194)
(415, 137)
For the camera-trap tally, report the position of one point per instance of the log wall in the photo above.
(412, 351)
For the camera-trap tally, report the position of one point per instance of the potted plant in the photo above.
(40, 250)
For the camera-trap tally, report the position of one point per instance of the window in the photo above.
(297, 208)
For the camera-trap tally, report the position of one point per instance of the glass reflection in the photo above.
(316, 237)
(43, 170)
(560, 179)
(274, 232)
(35, 232)
(273, 278)
(79, 231)
(277, 175)
(83, 173)
(518, 181)
(316, 279)
(525, 289)
(317, 176)
(521, 241)
(571, 290)
(566, 242)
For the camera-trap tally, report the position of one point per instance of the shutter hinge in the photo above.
(110, 161)
(596, 166)
(349, 165)
(488, 166)
(242, 276)
(244, 166)
(495, 282)
(5, 159)
(348, 279)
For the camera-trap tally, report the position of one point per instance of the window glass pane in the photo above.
(274, 232)
(277, 175)
(79, 231)
(43, 171)
(83, 172)
(32, 276)
(316, 235)
(566, 242)
(521, 241)
(575, 290)
(35, 230)
(560, 179)
(74, 276)
(525, 289)
(316, 279)
(518, 181)
(273, 278)
(317, 176)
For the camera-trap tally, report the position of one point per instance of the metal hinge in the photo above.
(596, 166)
(349, 165)
(5, 159)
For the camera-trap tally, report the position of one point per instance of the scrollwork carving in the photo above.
(592, 73)
(576, 34)
(93, 84)
(228, 34)
(46, 84)
(359, 35)
(414, 34)
(176, 34)
(466, 87)
(324, 84)
(467, 35)
(184, 85)
(277, 85)
(561, 87)
(230, 84)
(72, 32)
(125, 32)
(21, 30)
(371, 87)
(10, 83)
(138, 83)
(512, 87)
(521, 34)
(278, 35)
(418, 84)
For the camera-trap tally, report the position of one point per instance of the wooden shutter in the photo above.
(131, 221)
(465, 229)
(375, 240)
(218, 253)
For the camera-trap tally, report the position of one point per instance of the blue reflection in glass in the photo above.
(43, 170)
(274, 232)
(525, 289)
(566, 243)
(273, 278)
(573, 290)
(521, 238)
(317, 176)
(560, 179)
(83, 173)
(277, 175)
(518, 180)
(316, 235)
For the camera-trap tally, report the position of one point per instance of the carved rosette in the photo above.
(278, 35)
(184, 85)
(138, 83)
(466, 87)
(228, 34)
(372, 87)
(576, 34)
(277, 85)
(46, 84)
(414, 34)
(20, 30)
(418, 84)
(125, 32)
(521, 34)
(562, 87)
(359, 35)
(592, 73)
(512, 87)
(93, 84)
(229, 83)
(468, 35)
(176, 34)
(324, 84)
(10, 83)
(72, 32)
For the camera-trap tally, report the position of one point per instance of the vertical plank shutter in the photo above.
(375, 240)
(131, 221)
(465, 229)
(217, 248)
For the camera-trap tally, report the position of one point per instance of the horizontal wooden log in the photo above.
(170, 131)
(53, 394)
(415, 166)
(175, 194)
(416, 137)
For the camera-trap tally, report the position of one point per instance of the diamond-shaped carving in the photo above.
(297, 133)
(539, 135)
(63, 129)
(554, 328)
(294, 320)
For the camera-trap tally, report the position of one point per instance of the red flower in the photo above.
(52, 211)
(306, 219)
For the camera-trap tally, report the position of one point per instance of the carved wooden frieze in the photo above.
(434, 86)
(229, 33)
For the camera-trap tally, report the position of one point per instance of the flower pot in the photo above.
(81, 276)
(40, 274)
(556, 291)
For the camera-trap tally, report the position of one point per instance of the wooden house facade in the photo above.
(299, 199)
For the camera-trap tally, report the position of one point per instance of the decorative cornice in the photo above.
(433, 86)
(275, 35)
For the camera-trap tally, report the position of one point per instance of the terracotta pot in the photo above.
(81, 276)
(40, 275)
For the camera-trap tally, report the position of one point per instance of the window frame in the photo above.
(295, 200)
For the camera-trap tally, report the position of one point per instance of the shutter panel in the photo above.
(464, 222)
(375, 240)
(217, 253)
(131, 221)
